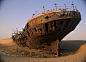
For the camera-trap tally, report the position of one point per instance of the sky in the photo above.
(15, 13)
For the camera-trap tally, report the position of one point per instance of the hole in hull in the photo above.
(47, 17)
(46, 27)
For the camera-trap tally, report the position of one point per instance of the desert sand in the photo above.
(71, 51)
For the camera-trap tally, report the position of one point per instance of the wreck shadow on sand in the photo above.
(70, 47)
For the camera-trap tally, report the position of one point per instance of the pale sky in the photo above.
(15, 13)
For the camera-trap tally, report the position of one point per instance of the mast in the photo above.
(72, 5)
(65, 6)
(56, 6)
(44, 9)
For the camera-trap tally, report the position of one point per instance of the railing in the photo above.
(65, 9)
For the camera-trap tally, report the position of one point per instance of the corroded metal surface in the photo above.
(47, 30)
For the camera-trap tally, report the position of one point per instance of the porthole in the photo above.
(47, 17)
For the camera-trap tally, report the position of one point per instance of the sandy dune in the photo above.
(71, 51)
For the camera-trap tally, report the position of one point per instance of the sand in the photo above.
(71, 51)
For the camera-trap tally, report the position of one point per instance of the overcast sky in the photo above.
(15, 13)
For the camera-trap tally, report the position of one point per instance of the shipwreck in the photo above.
(46, 30)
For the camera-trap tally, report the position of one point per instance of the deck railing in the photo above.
(64, 8)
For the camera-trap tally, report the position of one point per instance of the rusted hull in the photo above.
(47, 30)
(52, 31)
(46, 36)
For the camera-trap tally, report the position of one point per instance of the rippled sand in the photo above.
(71, 51)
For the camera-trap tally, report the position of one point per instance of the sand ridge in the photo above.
(72, 51)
